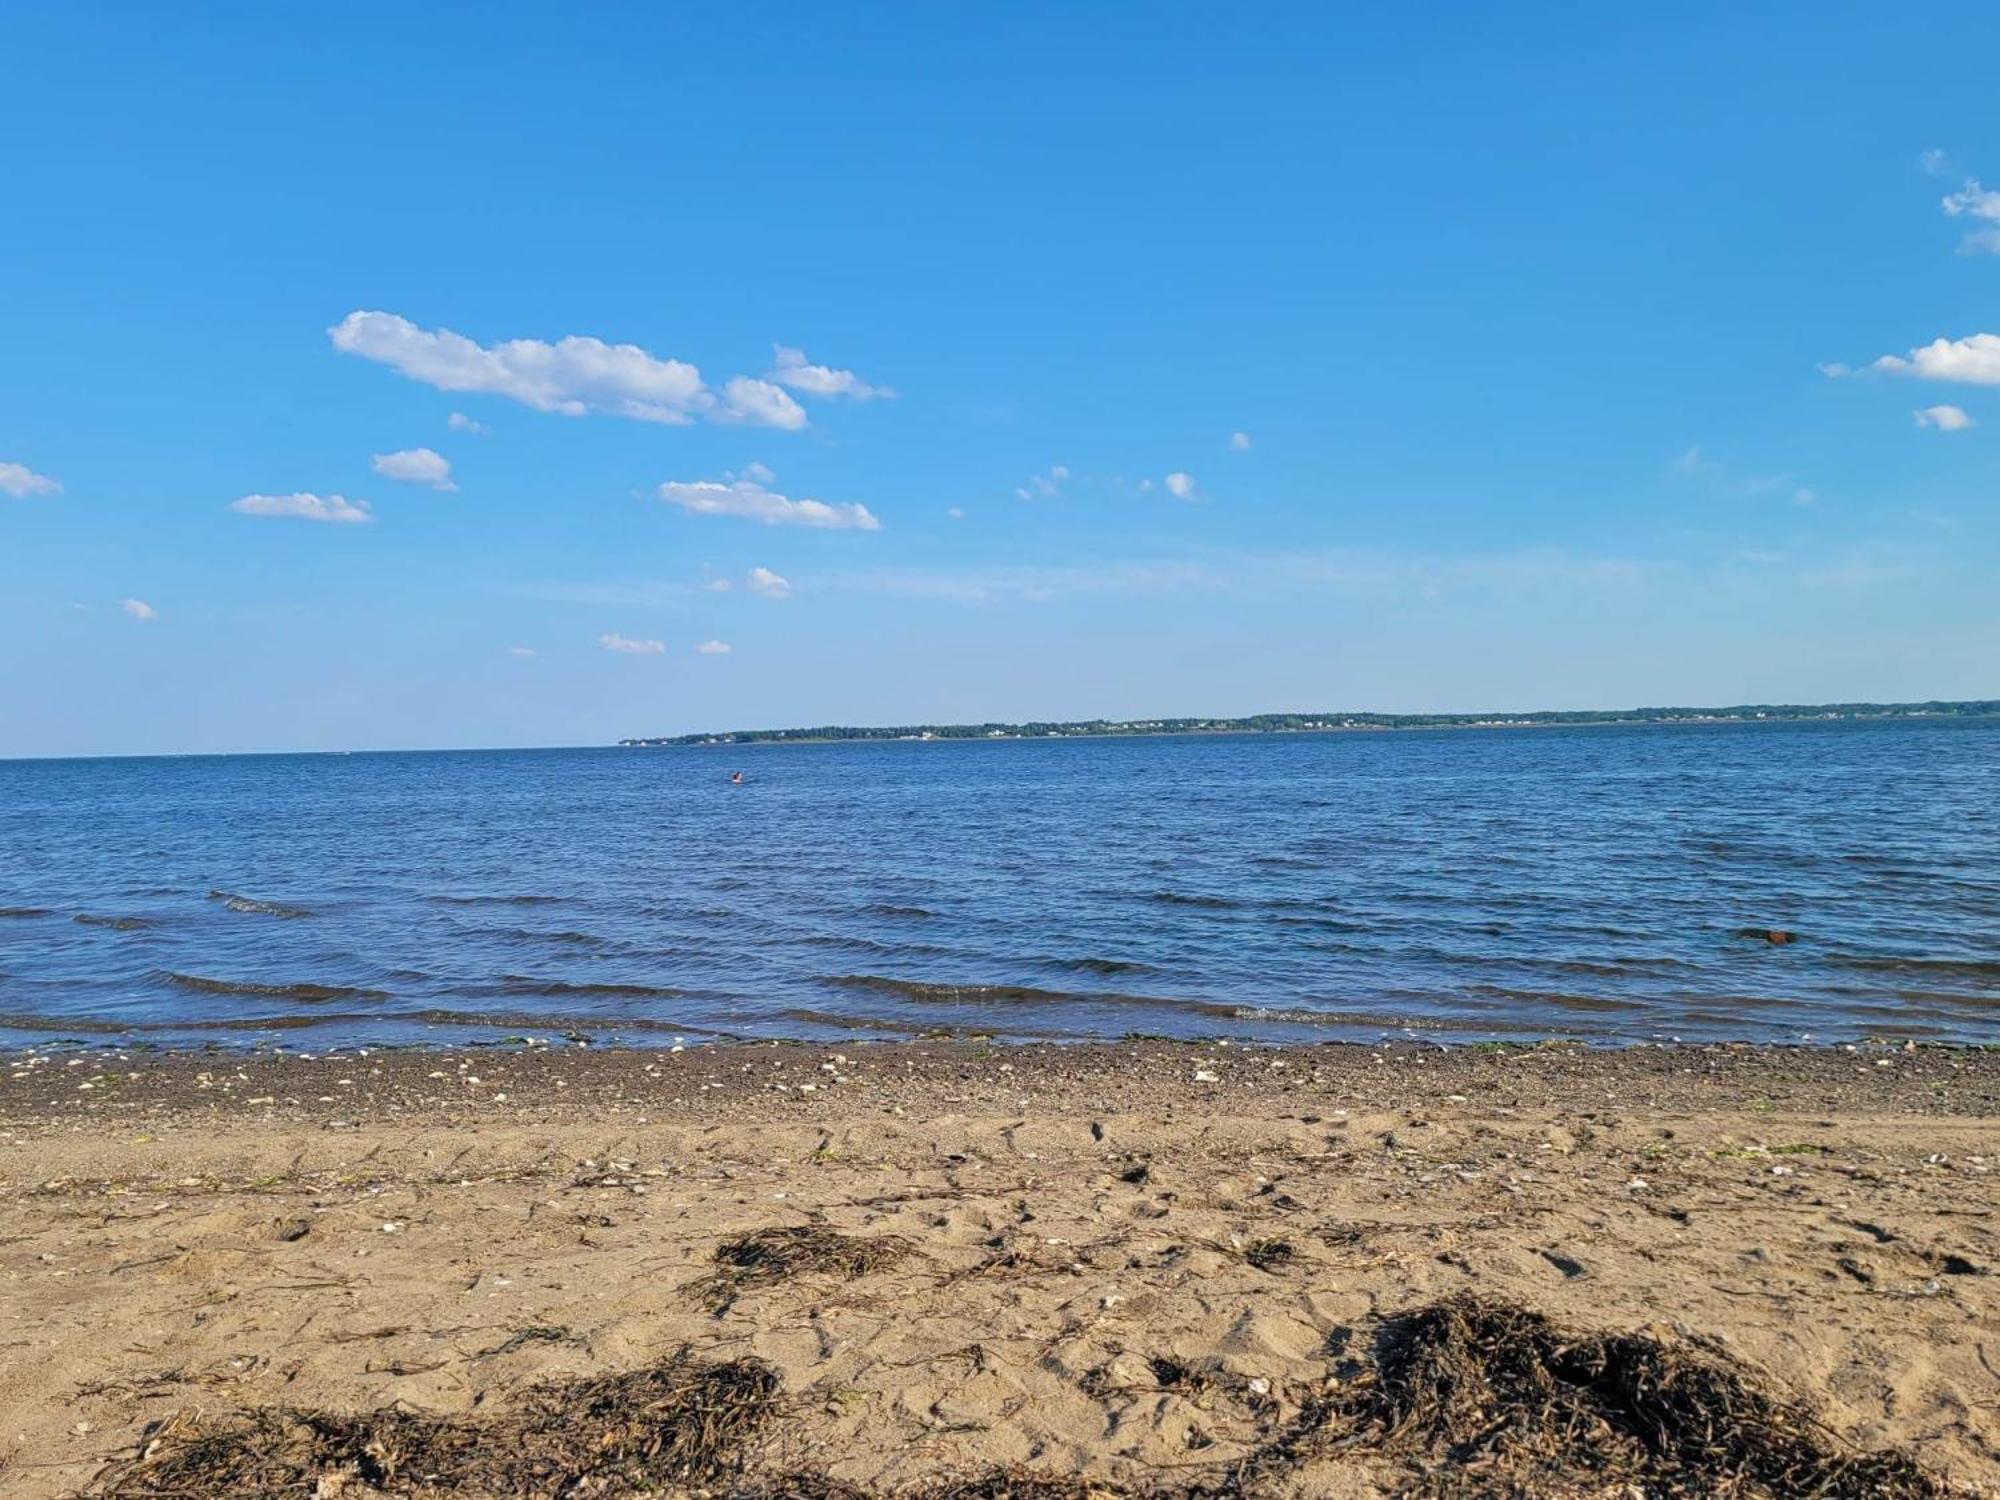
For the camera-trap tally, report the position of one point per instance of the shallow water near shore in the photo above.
(1461, 885)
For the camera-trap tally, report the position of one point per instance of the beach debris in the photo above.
(1269, 1253)
(766, 1256)
(678, 1422)
(1473, 1386)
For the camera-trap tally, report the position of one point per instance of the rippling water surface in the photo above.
(1590, 882)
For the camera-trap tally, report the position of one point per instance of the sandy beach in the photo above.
(977, 1270)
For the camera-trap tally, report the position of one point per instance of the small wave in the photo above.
(530, 935)
(116, 924)
(1102, 965)
(930, 993)
(254, 907)
(309, 994)
(524, 985)
(25, 911)
(885, 909)
(1184, 898)
(1979, 970)
(494, 900)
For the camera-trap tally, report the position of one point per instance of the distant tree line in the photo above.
(1037, 729)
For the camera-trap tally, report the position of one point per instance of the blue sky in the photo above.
(1524, 317)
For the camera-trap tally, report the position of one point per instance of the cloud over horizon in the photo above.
(573, 376)
(611, 640)
(1974, 360)
(416, 466)
(20, 481)
(768, 585)
(791, 368)
(750, 500)
(336, 510)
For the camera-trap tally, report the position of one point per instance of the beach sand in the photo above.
(1159, 1266)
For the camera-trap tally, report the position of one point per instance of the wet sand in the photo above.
(1137, 1261)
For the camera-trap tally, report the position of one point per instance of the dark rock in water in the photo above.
(1776, 936)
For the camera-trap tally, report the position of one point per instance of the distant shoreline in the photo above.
(1324, 723)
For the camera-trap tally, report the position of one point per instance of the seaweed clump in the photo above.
(678, 1422)
(1491, 1399)
(765, 1256)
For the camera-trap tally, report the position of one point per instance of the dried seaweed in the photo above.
(1492, 1399)
(679, 1421)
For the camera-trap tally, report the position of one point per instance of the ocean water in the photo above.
(1457, 885)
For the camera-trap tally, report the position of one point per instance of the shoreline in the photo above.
(1152, 1264)
(1138, 1069)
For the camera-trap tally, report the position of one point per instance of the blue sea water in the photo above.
(1462, 885)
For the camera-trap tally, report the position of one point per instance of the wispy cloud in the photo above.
(305, 506)
(1181, 486)
(791, 368)
(1045, 486)
(1239, 442)
(751, 500)
(611, 640)
(20, 481)
(768, 585)
(1943, 418)
(1980, 203)
(713, 648)
(416, 466)
(572, 376)
(458, 421)
(1974, 360)
(138, 609)
(521, 651)
(1374, 576)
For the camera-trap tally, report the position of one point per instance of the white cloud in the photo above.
(1180, 486)
(792, 369)
(768, 585)
(613, 641)
(717, 585)
(521, 651)
(1975, 202)
(760, 403)
(139, 609)
(713, 648)
(757, 471)
(337, 509)
(1934, 162)
(416, 466)
(20, 481)
(1943, 418)
(956, 512)
(1975, 360)
(1239, 442)
(1834, 370)
(753, 502)
(458, 421)
(574, 375)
